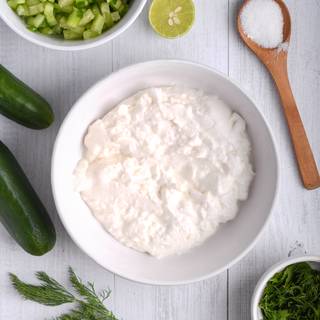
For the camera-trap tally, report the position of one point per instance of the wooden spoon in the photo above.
(275, 60)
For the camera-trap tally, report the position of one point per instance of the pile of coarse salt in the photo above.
(262, 21)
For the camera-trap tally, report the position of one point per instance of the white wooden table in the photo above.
(62, 77)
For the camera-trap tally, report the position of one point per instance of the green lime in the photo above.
(172, 18)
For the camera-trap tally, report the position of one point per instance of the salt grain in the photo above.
(262, 21)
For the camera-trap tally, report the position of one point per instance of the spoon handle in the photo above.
(305, 159)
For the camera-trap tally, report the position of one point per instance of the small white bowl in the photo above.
(232, 241)
(17, 25)
(257, 294)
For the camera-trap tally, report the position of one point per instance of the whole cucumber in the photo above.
(21, 104)
(21, 211)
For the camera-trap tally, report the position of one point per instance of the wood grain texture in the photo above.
(292, 229)
(62, 77)
(207, 300)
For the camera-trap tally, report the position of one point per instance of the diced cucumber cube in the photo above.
(22, 10)
(32, 2)
(63, 23)
(97, 24)
(66, 9)
(89, 34)
(37, 8)
(86, 18)
(108, 21)
(65, 3)
(74, 18)
(47, 31)
(14, 3)
(104, 8)
(48, 12)
(71, 35)
(38, 20)
(32, 23)
(77, 29)
(115, 16)
(95, 10)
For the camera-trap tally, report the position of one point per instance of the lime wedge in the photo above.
(172, 18)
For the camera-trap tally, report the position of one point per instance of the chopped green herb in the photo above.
(292, 294)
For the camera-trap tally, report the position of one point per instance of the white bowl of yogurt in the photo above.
(181, 205)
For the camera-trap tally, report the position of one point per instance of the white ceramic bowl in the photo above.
(229, 244)
(257, 294)
(17, 25)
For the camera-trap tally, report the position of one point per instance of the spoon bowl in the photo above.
(258, 50)
(275, 59)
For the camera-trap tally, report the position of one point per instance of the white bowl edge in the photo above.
(249, 247)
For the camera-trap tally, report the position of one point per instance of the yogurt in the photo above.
(164, 168)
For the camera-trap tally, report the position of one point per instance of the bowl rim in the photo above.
(145, 65)
(83, 45)
(261, 284)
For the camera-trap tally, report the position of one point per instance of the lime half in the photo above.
(172, 18)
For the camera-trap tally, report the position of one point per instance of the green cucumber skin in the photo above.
(21, 104)
(21, 211)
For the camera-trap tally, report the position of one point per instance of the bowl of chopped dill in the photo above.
(289, 290)
(70, 25)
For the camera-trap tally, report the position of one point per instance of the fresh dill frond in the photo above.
(89, 306)
(86, 291)
(93, 303)
(85, 311)
(49, 292)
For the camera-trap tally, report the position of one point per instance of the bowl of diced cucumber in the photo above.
(70, 24)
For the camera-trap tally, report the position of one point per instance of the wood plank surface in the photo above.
(295, 219)
(63, 76)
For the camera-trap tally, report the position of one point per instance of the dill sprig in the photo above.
(51, 293)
